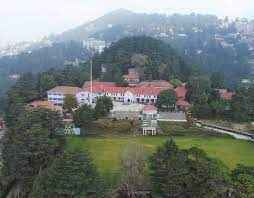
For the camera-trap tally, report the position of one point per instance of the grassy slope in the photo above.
(107, 151)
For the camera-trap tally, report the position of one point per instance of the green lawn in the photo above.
(106, 151)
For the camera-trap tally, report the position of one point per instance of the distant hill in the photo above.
(44, 58)
(194, 36)
(115, 18)
(152, 58)
(132, 24)
(39, 60)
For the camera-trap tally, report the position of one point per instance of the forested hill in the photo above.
(44, 58)
(39, 60)
(152, 58)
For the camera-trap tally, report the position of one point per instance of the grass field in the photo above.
(106, 151)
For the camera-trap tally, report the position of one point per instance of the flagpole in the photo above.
(91, 81)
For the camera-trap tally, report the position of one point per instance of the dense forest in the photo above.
(152, 58)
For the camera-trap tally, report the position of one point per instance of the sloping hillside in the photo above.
(152, 58)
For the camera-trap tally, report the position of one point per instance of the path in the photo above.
(236, 134)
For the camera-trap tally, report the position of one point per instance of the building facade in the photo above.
(142, 93)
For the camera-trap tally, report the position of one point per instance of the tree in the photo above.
(70, 175)
(29, 147)
(243, 179)
(103, 106)
(154, 59)
(166, 100)
(45, 82)
(84, 116)
(70, 102)
(187, 173)
(217, 80)
(24, 91)
(134, 176)
(168, 170)
(242, 104)
(199, 88)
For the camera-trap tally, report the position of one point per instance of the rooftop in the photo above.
(66, 90)
(149, 108)
(181, 91)
(45, 104)
(144, 88)
(225, 94)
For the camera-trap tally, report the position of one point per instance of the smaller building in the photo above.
(149, 120)
(225, 94)
(95, 45)
(149, 127)
(133, 77)
(149, 112)
(181, 103)
(45, 104)
(57, 94)
(122, 111)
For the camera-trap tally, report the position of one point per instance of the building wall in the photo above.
(56, 98)
(84, 97)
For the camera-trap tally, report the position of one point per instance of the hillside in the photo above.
(201, 40)
(152, 58)
(132, 23)
(118, 17)
(39, 60)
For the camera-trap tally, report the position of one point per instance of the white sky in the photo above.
(32, 19)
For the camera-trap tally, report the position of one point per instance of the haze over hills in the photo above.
(205, 40)
(118, 17)
(132, 23)
(211, 43)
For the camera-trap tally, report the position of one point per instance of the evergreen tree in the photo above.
(70, 102)
(28, 147)
(103, 106)
(243, 179)
(187, 173)
(166, 100)
(84, 116)
(217, 80)
(72, 175)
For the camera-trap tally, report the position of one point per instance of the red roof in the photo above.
(149, 108)
(101, 87)
(156, 83)
(181, 92)
(225, 94)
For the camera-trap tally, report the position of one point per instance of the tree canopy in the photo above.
(166, 100)
(187, 173)
(103, 106)
(70, 102)
(84, 116)
(70, 175)
(161, 60)
(29, 146)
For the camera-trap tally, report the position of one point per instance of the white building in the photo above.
(95, 45)
(57, 94)
(142, 93)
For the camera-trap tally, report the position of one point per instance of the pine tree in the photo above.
(71, 175)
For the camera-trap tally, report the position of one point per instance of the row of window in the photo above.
(56, 99)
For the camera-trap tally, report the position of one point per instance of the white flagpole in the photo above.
(91, 81)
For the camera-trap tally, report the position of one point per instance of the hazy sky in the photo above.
(31, 19)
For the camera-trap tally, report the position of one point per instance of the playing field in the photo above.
(107, 151)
